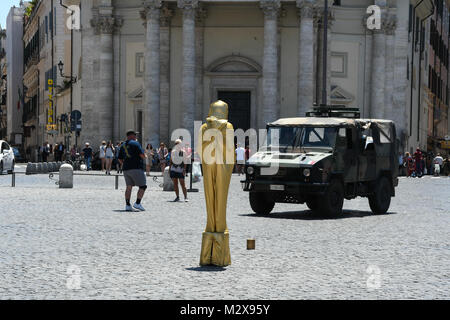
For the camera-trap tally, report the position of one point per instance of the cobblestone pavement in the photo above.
(80, 244)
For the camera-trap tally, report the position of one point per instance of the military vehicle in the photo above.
(322, 159)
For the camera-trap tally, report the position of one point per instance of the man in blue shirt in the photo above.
(131, 157)
(87, 152)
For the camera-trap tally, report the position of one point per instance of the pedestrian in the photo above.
(162, 155)
(240, 159)
(418, 162)
(55, 153)
(438, 164)
(73, 153)
(131, 157)
(188, 156)
(116, 157)
(109, 155)
(178, 170)
(400, 163)
(45, 152)
(409, 162)
(61, 148)
(87, 153)
(150, 153)
(102, 155)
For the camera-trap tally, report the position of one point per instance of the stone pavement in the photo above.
(80, 244)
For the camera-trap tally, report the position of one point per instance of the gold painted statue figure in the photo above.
(216, 145)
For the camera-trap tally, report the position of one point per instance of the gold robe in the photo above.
(218, 159)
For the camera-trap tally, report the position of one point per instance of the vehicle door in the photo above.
(367, 155)
(346, 154)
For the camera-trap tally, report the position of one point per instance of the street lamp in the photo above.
(61, 67)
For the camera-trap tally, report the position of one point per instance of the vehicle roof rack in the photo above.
(334, 111)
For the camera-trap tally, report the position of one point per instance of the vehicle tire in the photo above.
(330, 205)
(381, 199)
(260, 203)
(12, 168)
(312, 203)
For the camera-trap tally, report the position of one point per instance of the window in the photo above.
(385, 132)
(140, 65)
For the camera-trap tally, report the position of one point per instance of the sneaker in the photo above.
(176, 199)
(186, 200)
(139, 207)
(128, 208)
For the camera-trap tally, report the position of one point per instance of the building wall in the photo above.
(14, 56)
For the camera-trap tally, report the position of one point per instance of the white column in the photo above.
(188, 74)
(152, 72)
(116, 117)
(401, 82)
(199, 61)
(105, 108)
(305, 57)
(389, 112)
(378, 67)
(271, 109)
(166, 15)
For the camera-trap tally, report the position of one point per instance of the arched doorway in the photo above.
(236, 80)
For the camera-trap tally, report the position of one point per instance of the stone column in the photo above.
(305, 57)
(389, 112)
(378, 67)
(271, 109)
(105, 24)
(401, 82)
(199, 61)
(188, 74)
(319, 10)
(151, 13)
(165, 18)
(116, 117)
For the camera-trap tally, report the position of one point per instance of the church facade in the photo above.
(155, 66)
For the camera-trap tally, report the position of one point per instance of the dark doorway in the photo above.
(239, 104)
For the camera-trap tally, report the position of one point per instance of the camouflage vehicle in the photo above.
(322, 160)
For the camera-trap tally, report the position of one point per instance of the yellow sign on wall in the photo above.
(51, 126)
(445, 144)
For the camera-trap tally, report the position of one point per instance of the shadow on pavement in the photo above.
(207, 269)
(309, 215)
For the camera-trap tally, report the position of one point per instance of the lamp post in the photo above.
(324, 54)
(72, 80)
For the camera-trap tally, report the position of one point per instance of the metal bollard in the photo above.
(66, 176)
(117, 182)
(13, 178)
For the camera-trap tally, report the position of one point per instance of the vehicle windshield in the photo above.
(300, 139)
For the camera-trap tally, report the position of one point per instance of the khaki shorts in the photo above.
(135, 177)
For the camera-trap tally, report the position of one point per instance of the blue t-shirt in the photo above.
(130, 152)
